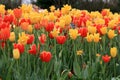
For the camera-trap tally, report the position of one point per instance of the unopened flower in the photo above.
(12, 36)
(113, 52)
(16, 54)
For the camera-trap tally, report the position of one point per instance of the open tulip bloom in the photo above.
(60, 44)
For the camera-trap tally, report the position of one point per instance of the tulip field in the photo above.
(59, 44)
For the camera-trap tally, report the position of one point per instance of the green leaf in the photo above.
(76, 69)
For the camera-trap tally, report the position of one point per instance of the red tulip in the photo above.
(4, 25)
(8, 18)
(42, 39)
(45, 56)
(19, 46)
(83, 31)
(37, 26)
(30, 39)
(49, 27)
(24, 20)
(106, 21)
(17, 12)
(5, 33)
(33, 50)
(106, 58)
(51, 36)
(61, 39)
(3, 44)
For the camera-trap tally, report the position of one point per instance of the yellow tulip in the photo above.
(111, 34)
(52, 8)
(16, 54)
(2, 9)
(89, 37)
(73, 33)
(103, 30)
(62, 23)
(112, 24)
(30, 29)
(55, 32)
(51, 17)
(113, 52)
(26, 8)
(96, 37)
(12, 37)
(79, 52)
(23, 38)
(92, 29)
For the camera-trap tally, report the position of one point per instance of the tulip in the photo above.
(17, 12)
(49, 27)
(61, 39)
(45, 56)
(103, 30)
(96, 37)
(2, 9)
(42, 39)
(83, 31)
(19, 46)
(106, 58)
(16, 54)
(92, 29)
(73, 33)
(23, 38)
(30, 39)
(89, 37)
(33, 50)
(5, 33)
(111, 34)
(55, 32)
(113, 52)
(12, 37)
(52, 8)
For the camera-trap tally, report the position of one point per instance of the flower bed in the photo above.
(66, 44)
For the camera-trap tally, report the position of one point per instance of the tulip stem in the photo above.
(89, 53)
(114, 69)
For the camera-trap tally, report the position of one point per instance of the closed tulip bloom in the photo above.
(17, 12)
(106, 58)
(61, 39)
(45, 56)
(5, 33)
(111, 34)
(12, 37)
(33, 49)
(30, 29)
(42, 39)
(16, 54)
(113, 52)
(73, 33)
(96, 37)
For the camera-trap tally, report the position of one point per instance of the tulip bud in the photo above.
(12, 37)
(16, 54)
(113, 52)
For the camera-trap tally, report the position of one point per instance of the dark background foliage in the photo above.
(90, 5)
